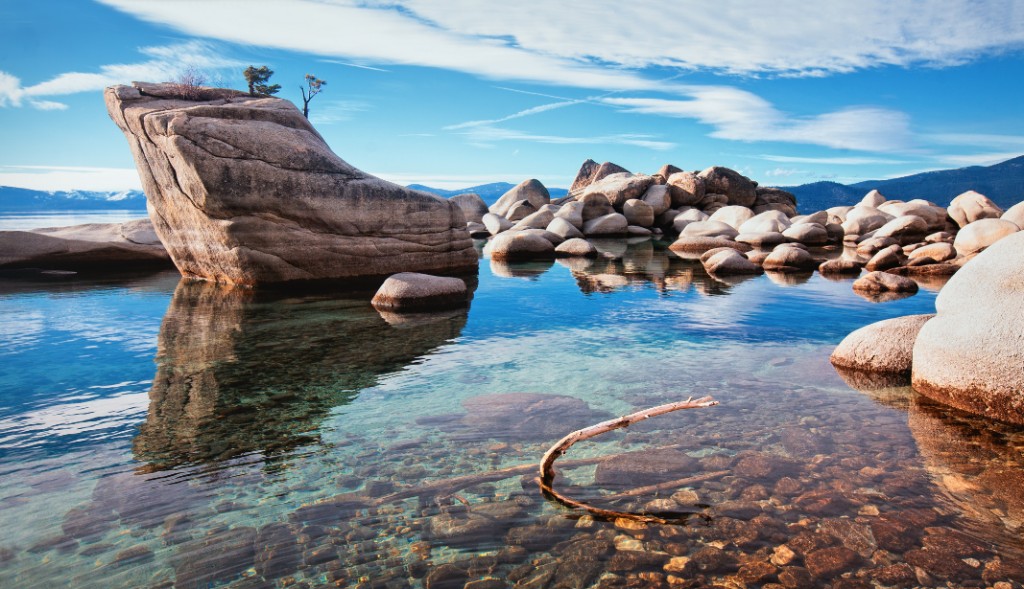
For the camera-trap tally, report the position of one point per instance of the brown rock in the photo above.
(591, 172)
(841, 266)
(243, 190)
(473, 207)
(886, 346)
(409, 291)
(108, 246)
(880, 282)
(830, 562)
(685, 189)
(739, 189)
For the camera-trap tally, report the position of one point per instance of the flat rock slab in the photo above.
(243, 190)
(97, 246)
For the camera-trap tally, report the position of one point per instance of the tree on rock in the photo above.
(257, 77)
(313, 87)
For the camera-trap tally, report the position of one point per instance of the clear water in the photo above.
(157, 433)
(40, 219)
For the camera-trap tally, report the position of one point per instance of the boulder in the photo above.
(520, 245)
(529, 190)
(410, 291)
(766, 222)
(872, 199)
(807, 233)
(709, 228)
(972, 206)
(591, 172)
(685, 189)
(739, 189)
(819, 217)
(696, 245)
(933, 216)
(970, 355)
(520, 210)
(477, 230)
(863, 219)
(495, 224)
(473, 207)
(905, 229)
(657, 196)
(790, 259)
(838, 214)
(661, 176)
(563, 228)
(638, 212)
(730, 261)
(774, 199)
(882, 282)
(96, 246)
(572, 212)
(886, 258)
(981, 234)
(576, 247)
(935, 253)
(734, 216)
(243, 190)
(841, 266)
(618, 188)
(884, 347)
(538, 220)
(594, 206)
(610, 224)
(1015, 215)
(767, 239)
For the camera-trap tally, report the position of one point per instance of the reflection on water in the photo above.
(307, 441)
(240, 373)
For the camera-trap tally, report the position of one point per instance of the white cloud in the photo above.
(517, 115)
(53, 178)
(569, 42)
(742, 116)
(485, 135)
(977, 159)
(785, 172)
(831, 161)
(986, 140)
(165, 63)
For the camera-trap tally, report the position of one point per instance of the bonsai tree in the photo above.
(257, 77)
(312, 88)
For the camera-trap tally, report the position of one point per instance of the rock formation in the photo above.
(111, 247)
(243, 190)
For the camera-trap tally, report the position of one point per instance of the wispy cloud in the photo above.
(52, 178)
(569, 43)
(164, 63)
(517, 115)
(976, 159)
(739, 115)
(337, 111)
(355, 65)
(785, 172)
(831, 161)
(486, 135)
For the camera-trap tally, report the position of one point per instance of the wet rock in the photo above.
(277, 551)
(755, 573)
(214, 559)
(796, 578)
(853, 535)
(637, 469)
(410, 291)
(446, 576)
(894, 534)
(884, 282)
(825, 502)
(761, 466)
(801, 443)
(636, 560)
(88, 521)
(938, 563)
(899, 574)
(134, 555)
(528, 416)
(710, 560)
(743, 510)
(487, 583)
(830, 562)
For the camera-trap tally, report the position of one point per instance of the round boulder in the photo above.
(881, 282)
(618, 188)
(886, 346)
(790, 259)
(411, 291)
(972, 206)
(709, 228)
(529, 190)
(576, 247)
(520, 245)
(981, 234)
(685, 189)
(970, 356)
(730, 261)
(740, 189)
(610, 224)
(638, 212)
(473, 207)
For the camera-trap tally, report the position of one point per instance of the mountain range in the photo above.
(1002, 182)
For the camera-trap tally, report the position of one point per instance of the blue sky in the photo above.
(461, 92)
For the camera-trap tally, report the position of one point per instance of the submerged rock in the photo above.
(243, 190)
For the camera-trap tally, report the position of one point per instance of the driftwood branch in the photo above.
(547, 463)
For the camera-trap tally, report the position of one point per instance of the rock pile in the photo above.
(899, 243)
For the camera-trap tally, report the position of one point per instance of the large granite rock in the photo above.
(97, 246)
(971, 355)
(243, 190)
(530, 190)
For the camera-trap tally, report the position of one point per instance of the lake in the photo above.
(159, 433)
(38, 220)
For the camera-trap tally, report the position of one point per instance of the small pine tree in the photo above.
(257, 77)
(313, 87)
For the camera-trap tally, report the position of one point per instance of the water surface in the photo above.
(158, 433)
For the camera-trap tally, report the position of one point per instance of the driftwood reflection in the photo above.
(242, 372)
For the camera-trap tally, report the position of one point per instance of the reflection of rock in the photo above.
(979, 468)
(530, 270)
(242, 372)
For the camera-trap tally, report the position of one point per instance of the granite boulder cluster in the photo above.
(735, 226)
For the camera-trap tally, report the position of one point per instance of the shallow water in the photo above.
(157, 433)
